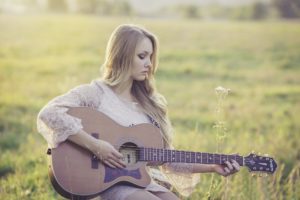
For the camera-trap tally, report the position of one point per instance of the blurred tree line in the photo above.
(257, 10)
(102, 7)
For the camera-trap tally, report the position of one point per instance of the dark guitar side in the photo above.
(76, 174)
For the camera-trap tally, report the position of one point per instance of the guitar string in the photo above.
(140, 151)
(177, 151)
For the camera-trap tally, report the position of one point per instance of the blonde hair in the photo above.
(119, 57)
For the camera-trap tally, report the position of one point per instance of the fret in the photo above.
(161, 155)
(210, 158)
(158, 154)
(204, 158)
(182, 156)
(177, 156)
(224, 158)
(140, 154)
(166, 155)
(198, 157)
(153, 154)
(240, 160)
(173, 155)
(217, 159)
(188, 157)
(193, 157)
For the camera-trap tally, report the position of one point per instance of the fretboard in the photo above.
(167, 155)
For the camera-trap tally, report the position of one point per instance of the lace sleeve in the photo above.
(55, 124)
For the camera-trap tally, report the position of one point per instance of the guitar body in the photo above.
(76, 173)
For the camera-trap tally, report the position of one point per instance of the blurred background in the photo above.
(200, 9)
(251, 47)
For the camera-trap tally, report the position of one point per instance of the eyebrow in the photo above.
(147, 52)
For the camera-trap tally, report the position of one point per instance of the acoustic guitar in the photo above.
(76, 173)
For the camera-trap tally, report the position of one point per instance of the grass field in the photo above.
(44, 56)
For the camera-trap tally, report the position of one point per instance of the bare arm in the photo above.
(224, 170)
(201, 168)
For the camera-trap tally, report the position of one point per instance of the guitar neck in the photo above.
(167, 155)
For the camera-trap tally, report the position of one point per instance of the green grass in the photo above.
(44, 56)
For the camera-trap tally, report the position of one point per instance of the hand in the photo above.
(227, 169)
(108, 154)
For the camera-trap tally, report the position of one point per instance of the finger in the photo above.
(113, 156)
(119, 160)
(109, 164)
(229, 165)
(226, 169)
(116, 164)
(118, 154)
(236, 166)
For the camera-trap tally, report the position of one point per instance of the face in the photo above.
(142, 60)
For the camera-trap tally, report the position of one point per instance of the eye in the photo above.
(141, 56)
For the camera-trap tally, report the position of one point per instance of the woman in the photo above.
(126, 93)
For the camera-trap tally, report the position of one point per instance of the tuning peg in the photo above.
(253, 151)
(267, 155)
(253, 175)
(266, 175)
(260, 175)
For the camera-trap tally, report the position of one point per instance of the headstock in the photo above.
(257, 163)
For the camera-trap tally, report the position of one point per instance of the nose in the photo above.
(148, 64)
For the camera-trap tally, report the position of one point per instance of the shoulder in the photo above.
(89, 94)
(94, 87)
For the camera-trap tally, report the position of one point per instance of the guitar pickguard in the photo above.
(111, 174)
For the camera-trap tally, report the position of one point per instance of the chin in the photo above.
(140, 78)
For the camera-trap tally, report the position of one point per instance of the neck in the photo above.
(124, 90)
(167, 155)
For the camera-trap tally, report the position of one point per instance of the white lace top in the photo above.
(56, 126)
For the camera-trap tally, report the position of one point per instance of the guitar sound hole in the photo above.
(129, 152)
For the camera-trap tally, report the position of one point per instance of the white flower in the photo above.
(222, 91)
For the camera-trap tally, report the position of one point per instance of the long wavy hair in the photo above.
(119, 57)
